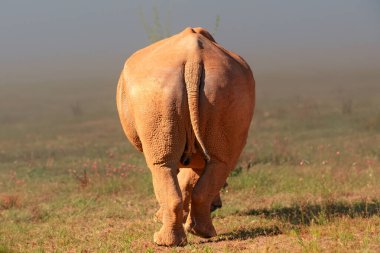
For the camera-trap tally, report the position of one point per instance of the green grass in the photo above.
(307, 181)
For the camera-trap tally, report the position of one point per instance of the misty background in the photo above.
(71, 181)
(66, 44)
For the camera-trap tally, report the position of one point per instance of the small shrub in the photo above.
(9, 201)
(76, 109)
(347, 106)
(83, 180)
(236, 171)
(39, 213)
(5, 249)
(374, 123)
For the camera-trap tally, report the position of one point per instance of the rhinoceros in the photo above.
(187, 104)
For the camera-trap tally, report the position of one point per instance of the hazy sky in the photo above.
(55, 40)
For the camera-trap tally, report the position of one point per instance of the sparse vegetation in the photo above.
(9, 201)
(76, 109)
(156, 30)
(347, 106)
(308, 180)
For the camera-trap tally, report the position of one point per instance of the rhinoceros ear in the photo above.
(204, 32)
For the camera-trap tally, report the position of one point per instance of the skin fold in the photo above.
(186, 103)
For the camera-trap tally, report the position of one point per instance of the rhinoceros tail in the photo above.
(192, 74)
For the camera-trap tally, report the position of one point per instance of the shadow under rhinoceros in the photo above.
(301, 214)
(244, 234)
(305, 214)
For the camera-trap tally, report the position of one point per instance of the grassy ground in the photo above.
(308, 180)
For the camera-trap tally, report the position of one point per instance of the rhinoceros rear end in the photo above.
(187, 104)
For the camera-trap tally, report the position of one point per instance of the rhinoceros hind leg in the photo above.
(208, 186)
